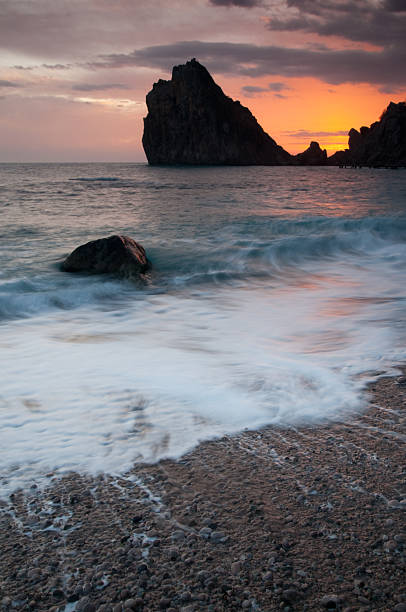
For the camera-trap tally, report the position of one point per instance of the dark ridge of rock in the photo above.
(339, 158)
(118, 255)
(313, 156)
(381, 144)
(191, 121)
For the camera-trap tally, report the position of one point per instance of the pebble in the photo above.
(130, 604)
(205, 533)
(393, 503)
(185, 596)
(178, 535)
(330, 601)
(5, 602)
(85, 605)
(400, 607)
(202, 575)
(173, 553)
(290, 595)
(164, 603)
(218, 536)
(235, 568)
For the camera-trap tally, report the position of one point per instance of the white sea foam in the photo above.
(95, 391)
(275, 295)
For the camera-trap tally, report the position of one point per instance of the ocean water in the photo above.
(276, 295)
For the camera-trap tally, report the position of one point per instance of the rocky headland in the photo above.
(191, 121)
(381, 144)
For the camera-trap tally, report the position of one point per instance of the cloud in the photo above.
(306, 134)
(18, 67)
(8, 84)
(385, 67)
(278, 86)
(390, 89)
(98, 87)
(367, 21)
(397, 6)
(243, 3)
(281, 96)
(57, 66)
(252, 90)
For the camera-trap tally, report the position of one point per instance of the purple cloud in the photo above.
(385, 67)
(243, 3)
(98, 87)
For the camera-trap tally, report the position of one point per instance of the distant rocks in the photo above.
(381, 144)
(313, 156)
(191, 121)
(118, 255)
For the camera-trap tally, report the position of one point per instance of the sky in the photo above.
(74, 73)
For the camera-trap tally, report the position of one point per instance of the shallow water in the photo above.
(275, 295)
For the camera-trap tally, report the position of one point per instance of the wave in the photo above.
(29, 297)
(95, 178)
(282, 248)
(277, 250)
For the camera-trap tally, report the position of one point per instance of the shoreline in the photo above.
(310, 518)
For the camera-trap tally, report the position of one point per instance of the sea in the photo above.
(276, 295)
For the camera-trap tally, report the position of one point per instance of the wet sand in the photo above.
(277, 519)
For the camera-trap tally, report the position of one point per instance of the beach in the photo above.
(307, 518)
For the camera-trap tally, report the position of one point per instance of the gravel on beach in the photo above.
(278, 519)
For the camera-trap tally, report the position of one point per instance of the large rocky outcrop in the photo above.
(381, 144)
(191, 121)
(119, 255)
(313, 156)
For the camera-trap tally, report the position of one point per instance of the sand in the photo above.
(277, 519)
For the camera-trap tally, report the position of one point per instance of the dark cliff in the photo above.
(191, 121)
(381, 144)
(313, 156)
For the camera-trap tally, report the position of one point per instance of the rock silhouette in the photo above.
(381, 144)
(118, 255)
(191, 121)
(313, 156)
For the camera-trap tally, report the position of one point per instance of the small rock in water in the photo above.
(119, 255)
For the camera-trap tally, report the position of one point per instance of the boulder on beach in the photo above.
(117, 254)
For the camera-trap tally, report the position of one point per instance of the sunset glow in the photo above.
(73, 77)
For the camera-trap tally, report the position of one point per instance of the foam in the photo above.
(97, 390)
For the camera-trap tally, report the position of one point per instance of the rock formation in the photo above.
(191, 121)
(118, 255)
(381, 144)
(313, 156)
